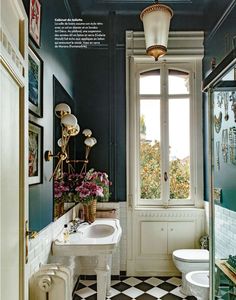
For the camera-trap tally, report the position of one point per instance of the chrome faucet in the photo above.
(75, 224)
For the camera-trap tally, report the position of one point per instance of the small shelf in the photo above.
(231, 275)
(221, 68)
(227, 85)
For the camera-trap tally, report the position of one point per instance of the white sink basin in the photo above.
(102, 236)
(98, 231)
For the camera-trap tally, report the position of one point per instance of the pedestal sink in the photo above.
(97, 239)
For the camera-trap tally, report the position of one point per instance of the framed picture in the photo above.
(35, 74)
(35, 21)
(35, 153)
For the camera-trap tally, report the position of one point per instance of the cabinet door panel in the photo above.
(180, 235)
(153, 238)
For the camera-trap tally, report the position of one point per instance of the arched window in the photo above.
(163, 134)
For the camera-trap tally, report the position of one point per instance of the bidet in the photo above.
(198, 282)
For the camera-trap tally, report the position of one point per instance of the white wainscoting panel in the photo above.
(156, 233)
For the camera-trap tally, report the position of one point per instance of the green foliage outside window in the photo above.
(150, 173)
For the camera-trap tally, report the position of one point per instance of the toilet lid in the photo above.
(192, 255)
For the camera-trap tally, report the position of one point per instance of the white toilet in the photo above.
(198, 282)
(188, 260)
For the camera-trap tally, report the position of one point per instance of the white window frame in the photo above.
(137, 64)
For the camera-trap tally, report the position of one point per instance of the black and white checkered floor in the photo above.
(134, 288)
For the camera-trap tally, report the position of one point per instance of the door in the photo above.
(13, 148)
(220, 85)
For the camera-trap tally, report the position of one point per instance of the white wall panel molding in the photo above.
(189, 43)
(9, 52)
(170, 214)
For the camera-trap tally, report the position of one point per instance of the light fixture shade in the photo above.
(69, 121)
(156, 22)
(62, 109)
(90, 141)
(87, 132)
(74, 131)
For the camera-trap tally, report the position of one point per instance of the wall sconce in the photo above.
(69, 128)
(156, 22)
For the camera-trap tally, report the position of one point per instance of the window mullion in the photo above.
(164, 136)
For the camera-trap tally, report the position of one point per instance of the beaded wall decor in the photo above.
(218, 155)
(232, 145)
(224, 145)
(226, 105)
(218, 122)
(219, 100)
(233, 106)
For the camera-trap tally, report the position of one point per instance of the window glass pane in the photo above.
(179, 149)
(178, 82)
(150, 158)
(149, 83)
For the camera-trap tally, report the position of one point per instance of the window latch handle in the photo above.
(165, 176)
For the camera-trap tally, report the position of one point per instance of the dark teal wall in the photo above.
(96, 79)
(221, 30)
(101, 90)
(58, 63)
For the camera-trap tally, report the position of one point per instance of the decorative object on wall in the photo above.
(213, 63)
(35, 21)
(226, 105)
(224, 145)
(219, 100)
(217, 195)
(69, 128)
(35, 83)
(35, 153)
(232, 145)
(218, 122)
(218, 155)
(233, 106)
(156, 22)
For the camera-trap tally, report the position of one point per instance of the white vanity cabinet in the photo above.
(156, 234)
(181, 235)
(153, 237)
(165, 237)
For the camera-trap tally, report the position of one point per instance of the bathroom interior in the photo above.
(164, 131)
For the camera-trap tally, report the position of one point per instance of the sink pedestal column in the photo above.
(103, 276)
(108, 287)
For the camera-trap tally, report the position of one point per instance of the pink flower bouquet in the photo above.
(95, 185)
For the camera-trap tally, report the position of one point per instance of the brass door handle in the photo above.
(31, 234)
(28, 235)
(165, 176)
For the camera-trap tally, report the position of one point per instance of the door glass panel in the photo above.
(149, 83)
(178, 82)
(150, 156)
(223, 198)
(179, 148)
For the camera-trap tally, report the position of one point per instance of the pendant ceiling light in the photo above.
(156, 23)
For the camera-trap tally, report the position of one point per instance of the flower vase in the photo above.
(58, 209)
(68, 205)
(90, 211)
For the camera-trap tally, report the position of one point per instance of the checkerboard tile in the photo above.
(134, 288)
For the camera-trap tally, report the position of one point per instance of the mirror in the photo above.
(60, 95)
